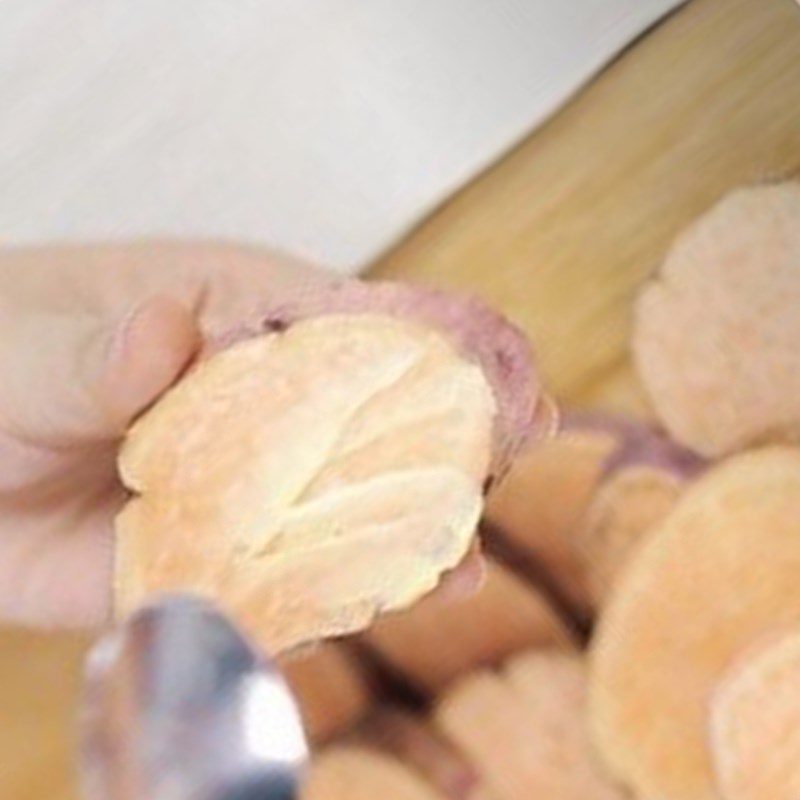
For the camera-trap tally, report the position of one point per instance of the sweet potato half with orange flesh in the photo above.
(624, 508)
(352, 772)
(439, 639)
(524, 729)
(416, 743)
(715, 334)
(310, 477)
(577, 502)
(755, 722)
(641, 480)
(540, 503)
(332, 688)
(719, 571)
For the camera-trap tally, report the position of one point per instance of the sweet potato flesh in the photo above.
(331, 687)
(719, 571)
(439, 639)
(308, 479)
(420, 747)
(623, 510)
(715, 335)
(539, 505)
(524, 729)
(755, 720)
(350, 772)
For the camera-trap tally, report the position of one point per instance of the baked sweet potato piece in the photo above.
(719, 571)
(413, 741)
(352, 772)
(575, 503)
(524, 729)
(755, 719)
(439, 638)
(314, 475)
(332, 688)
(715, 334)
(540, 504)
(624, 508)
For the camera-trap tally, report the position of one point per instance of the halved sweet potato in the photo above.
(412, 740)
(572, 501)
(351, 772)
(715, 334)
(308, 479)
(540, 503)
(439, 639)
(524, 729)
(624, 508)
(312, 476)
(641, 480)
(331, 687)
(755, 720)
(719, 570)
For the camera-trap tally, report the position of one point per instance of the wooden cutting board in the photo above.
(562, 231)
(558, 235)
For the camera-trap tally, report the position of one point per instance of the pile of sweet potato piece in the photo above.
(636, 628)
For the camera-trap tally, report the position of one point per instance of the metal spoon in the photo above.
(180, 706)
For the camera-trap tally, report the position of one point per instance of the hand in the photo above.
(89, 337)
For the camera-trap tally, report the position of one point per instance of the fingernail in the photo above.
(148, 350)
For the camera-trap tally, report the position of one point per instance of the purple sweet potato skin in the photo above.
(501, 349)
(639, 445)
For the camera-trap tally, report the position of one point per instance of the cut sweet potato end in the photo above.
(716, 573)
(755, 719)
(715, 334)
(412, 740)
(350, 772)
(283, 475)
(331, 688)
(567, 506)
(539, 504)
(439, 639)
(524, 729)
(625, 507)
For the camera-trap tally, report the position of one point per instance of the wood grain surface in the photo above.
(558, 235)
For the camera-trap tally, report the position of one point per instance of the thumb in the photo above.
(70, 379)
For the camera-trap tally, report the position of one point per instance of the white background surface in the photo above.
(325, 127)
